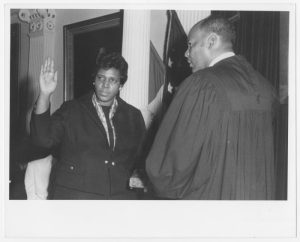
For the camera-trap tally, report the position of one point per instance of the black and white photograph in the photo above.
(151, 121)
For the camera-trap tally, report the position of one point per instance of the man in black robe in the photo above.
(216, 139)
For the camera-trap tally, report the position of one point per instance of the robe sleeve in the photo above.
(180, 152)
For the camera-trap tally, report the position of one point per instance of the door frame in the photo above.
(70, 31)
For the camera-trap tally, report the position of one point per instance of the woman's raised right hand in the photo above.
(48, 78)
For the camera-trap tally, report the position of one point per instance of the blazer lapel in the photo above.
(86, 103)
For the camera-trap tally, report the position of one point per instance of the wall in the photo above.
(158, 30)
(65, 17)
(69, 16)
(189, 17)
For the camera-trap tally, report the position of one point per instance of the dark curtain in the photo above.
(16, 174)
(258, 40)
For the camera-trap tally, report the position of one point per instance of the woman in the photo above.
(98, 135)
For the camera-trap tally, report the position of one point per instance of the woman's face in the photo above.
(107, 85)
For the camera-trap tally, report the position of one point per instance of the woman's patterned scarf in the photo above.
(103, 119)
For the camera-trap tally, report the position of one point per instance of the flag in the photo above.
(177, 68)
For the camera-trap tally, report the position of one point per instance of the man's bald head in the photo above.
(208, 39)
(218, 25)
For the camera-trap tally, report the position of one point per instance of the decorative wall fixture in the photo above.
(38, 19)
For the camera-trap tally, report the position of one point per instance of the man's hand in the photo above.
(136, 181)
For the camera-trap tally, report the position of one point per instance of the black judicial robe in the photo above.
(216, 139)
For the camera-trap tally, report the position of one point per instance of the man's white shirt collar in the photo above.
(221, 57)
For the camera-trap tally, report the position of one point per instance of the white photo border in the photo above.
(154, 220)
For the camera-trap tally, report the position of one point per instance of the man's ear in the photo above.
(212, 40)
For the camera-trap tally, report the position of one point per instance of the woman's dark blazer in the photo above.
(87, 168)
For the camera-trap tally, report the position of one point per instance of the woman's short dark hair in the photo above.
(112, 60)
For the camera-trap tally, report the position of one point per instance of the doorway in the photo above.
(82, 42)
